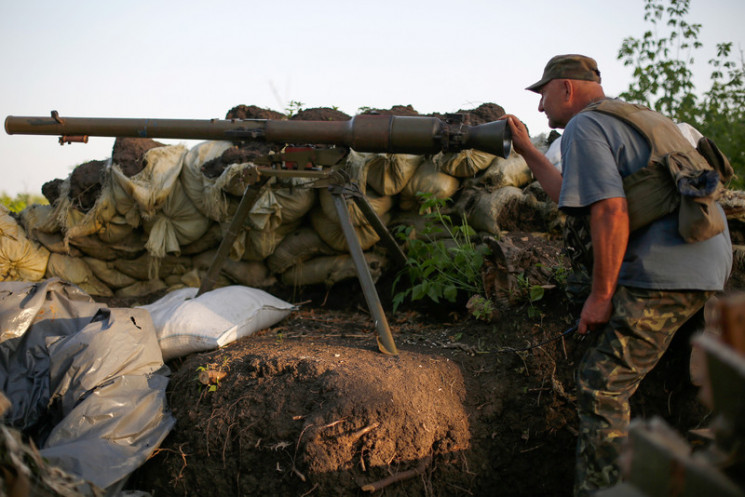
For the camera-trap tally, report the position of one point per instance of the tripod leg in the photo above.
(398, 256)
(250, 195)
(385, 339)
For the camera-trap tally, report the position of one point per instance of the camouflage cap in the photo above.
(570, 66)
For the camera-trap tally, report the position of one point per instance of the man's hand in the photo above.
(547, 175)
(595, 313)
(520, 137)
(609, 228)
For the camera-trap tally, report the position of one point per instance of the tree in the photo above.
(662, 79)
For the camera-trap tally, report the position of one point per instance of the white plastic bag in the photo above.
(185, 324)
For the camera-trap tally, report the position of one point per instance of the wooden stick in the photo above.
(403, 475)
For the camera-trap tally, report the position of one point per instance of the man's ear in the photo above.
(568, 89)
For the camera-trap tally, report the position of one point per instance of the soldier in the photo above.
(644, 281)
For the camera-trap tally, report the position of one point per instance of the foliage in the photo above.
(663, 80)
(294, 107)
(21, 201)
(442, 259)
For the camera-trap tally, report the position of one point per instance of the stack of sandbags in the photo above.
(157, 218)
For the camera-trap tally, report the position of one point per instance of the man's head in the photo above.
(569, 83)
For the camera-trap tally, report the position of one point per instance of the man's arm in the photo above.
(609, 229)
(547, 175)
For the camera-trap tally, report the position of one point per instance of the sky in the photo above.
(197, 60)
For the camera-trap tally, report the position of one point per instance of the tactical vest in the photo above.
(678, 175)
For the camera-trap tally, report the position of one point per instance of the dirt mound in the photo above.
(310, 407)
(320, 114)
(253, 112)
(85, 184)
(396, 110)
(51, 190)
(128, 153)
(484, 113)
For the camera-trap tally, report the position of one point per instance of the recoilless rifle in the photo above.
(362, 133)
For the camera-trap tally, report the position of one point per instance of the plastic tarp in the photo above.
(87, 382)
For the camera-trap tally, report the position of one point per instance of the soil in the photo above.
(129, 153)
(312, 407)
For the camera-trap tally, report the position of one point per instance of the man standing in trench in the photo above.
(644, 284)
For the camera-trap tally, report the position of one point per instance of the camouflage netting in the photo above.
(151, 217)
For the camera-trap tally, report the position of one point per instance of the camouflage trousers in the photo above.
(639, 331)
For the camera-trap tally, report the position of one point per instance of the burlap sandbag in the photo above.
(281, 205)
(380, 205)
(330, 270)
(427, 179)
(74, 270)
(141, 288)
(151, 187)
(129, 248)
(38, 218)
(177, 222)
(20, 258)
(142, 268)
(260, 244)
(253, 274)
(332, 233)
(463, 164)
(512, 171)
(388, 174)
(296, 247)
(107, 272)
(488, 208)
(205, 192)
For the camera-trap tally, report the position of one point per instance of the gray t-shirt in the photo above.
(598, 150)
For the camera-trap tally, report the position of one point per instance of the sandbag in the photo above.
(185, 323)
(20, 258)
(141, 288)
(512, 171)
(298, 246)
(107, 273)
(205, 192)
(332, 233)
(388, 174)
(330, 270)
(247, 273)
(129, 248)
(427, 179)
(463, 164)
(74, 270)
(143, 267)
(260, 244)
(153, 185)
(176, 222)
(489, 208)
(277, 206)
(380, 205)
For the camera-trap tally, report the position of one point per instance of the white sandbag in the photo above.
(20, 258)
(463, 164)
(388, 174)
(76, 271)
(512, 171)
(553, 154)
(185, 323)
(427, 179)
